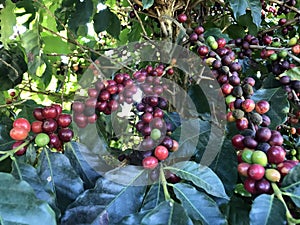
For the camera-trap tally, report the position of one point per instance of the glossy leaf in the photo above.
(201, 176)
(293, 73)
(199, 206)
(29, 174)
(80, 158)
(147, 3)
(19, 205)
(135, 218)
(167, 213)
(154, 197)
(8, 21)
(55, 45)
(291, 184)
(267, 210)
(239, 8)
(114, 28)
(104, 202)
(237, 211)
(55, 169)
(273, 96)
(102, 20)
(5, 126)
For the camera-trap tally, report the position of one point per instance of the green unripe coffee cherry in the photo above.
(229, 99)
(238, 114)
(276, 44)
(259, 157)
(293, 41)
(283, 54)
(256, 118)
(42, 139)
(155, 134)
(273, 175)
(247, 155)
(274, 57)
(210, 39)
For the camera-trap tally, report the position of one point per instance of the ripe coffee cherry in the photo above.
(41, 139)
(172, 178)
(18, 133)
(276, 154)
(221, 42)
(247, 155)
(276, 139)
(248, 105)
(58, 108)
(55, 142)
(49, 112)
(64, 120)
(104, 95)
(175, 146)
(37, 126)
(226, 88)
(256, 172)
(243, 168)
(22, 123)
(285, 167)
(150, 162)
(242, 124)
(273, 175)
(161, 152)
(49, 125)
(147, 143)
(65, 134)
(237, 141)
(182, 18)
(167, 142)
(263, 134)
(22, 151)
(249, 185)
(263, 186)
(262, 107)
(147, 117)
(259, 157)
(37, 113)
(203, 50)
(77, 107)
(250, 142)
(199, 30)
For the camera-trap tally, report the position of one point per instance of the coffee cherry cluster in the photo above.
(51, 122)
(244, 44)
(50, 128)
(262, 159)
(105, 97)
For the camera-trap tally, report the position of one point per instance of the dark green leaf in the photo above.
(8, 21)
(201, 176)
(81, 15)
(135, 32)
(147, 3)
(62, 178)
(167, 213)
(19, 205)
(114, 28)
(277, 112)
(225, 166)
(104, 202)
(247, 21)
(29, 174)
(78, 156)
(102, 20)
(217, 33)
(135, 218)
(5, 126)
(291, 184)
(199, 206)
(154, 197)
(237, 211)
(267, 210)
(27, 109)
(236, 31)
(239, 8)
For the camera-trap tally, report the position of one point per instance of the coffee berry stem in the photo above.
(17, 166)
(278, 193)
(11, 152)
(164, 184)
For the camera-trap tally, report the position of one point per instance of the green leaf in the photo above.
(225, 166)
(5, 126)
(135, 32)
(26, 110)
(108, 201)
(235, 31)
(199, 206)
(19, 205)
(55, 168)
(167, 213)
(147, 3)
(277, 112)
(29, 174)
(239, 8)
(54, 44)
(247, 21)
(80, 158)
(81, 15)
(293, 73)
(135, 218)
(8, 21)
(267, 210)
(201, 176)
(114, 28)
(154, 197)
(217, 33)
(102, 20)
(291, 184)
(237, 211)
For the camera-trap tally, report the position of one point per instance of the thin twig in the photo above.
(138, 18)
(10, 66)
(289, 22)
(290, 7)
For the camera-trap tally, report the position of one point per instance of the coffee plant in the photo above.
(149, 112)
